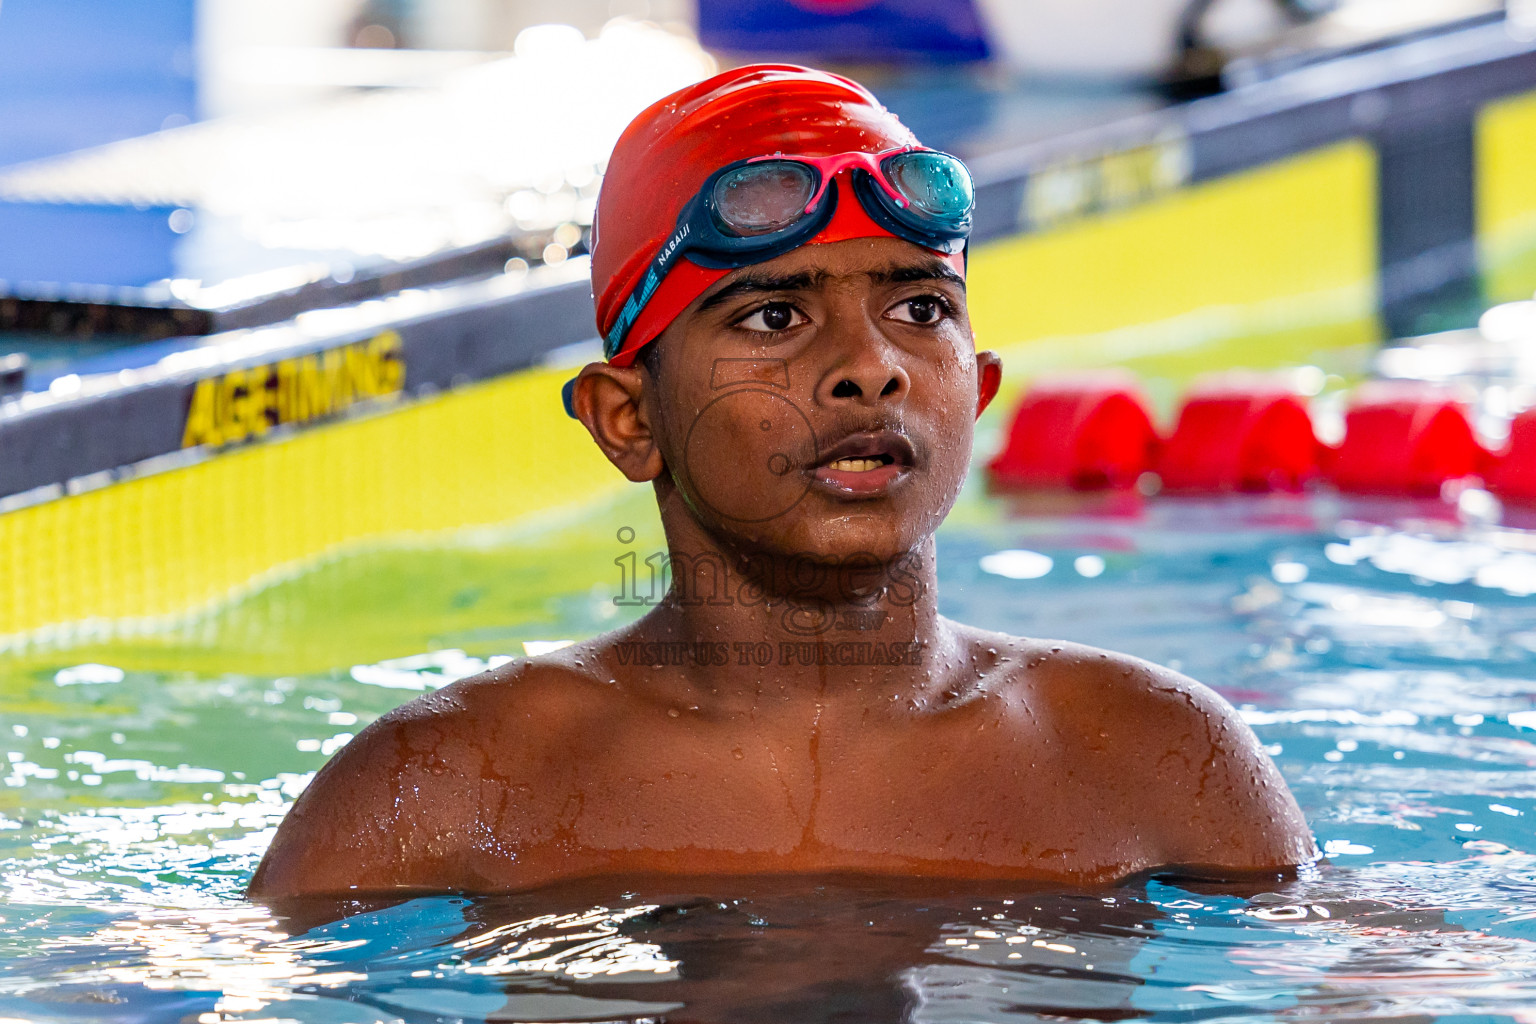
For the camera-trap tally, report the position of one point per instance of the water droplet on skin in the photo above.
(737, 754)
(673, 712)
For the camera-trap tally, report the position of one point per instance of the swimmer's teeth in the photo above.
(856, 465)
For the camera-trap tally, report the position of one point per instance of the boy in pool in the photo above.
(779, 271)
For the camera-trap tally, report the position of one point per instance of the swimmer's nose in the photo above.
(868, 377)
(849, 388)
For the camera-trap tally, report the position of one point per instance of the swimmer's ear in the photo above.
(989, 377)
(607, 401)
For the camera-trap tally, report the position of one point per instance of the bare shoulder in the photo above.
(1206, 795)
(419, 790)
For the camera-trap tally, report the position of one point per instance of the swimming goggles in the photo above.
(754, 210)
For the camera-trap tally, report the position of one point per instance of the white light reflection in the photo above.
(1364, 608)
(534, 648)
(1345, 848)
(591, 946)
(1017, 564)
(1334, 716)
(1497, 559)
(1510, 322)
(239, 950)
(1288, 572)
(425, 671)
(88, 675)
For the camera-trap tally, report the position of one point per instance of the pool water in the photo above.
(1385, 652)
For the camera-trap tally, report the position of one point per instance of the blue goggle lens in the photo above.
(936, 184)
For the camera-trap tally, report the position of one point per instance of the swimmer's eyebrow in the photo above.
(935, 271)
(752, 284)
(755, 284)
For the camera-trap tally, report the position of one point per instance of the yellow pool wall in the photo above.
(1506, 197)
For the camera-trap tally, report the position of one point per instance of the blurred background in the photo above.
(184, 156)
(288, 291)
(224, 223)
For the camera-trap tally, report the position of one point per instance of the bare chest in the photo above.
(971, 795)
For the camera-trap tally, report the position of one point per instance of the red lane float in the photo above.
(1240, 433)
(1247, 433)
(1086, 432)
(1404, 437)
(1511, 474)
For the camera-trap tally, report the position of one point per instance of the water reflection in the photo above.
(716, 950)
(1363, 944)
(1385, 663)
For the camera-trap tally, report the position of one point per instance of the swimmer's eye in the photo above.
(923, 310)
(772, 318)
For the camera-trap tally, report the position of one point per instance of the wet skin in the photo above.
(807, 429)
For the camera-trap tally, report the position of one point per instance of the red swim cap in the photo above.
(666, 153)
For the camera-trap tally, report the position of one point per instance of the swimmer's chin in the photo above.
(830, 542)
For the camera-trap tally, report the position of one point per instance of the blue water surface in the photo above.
(1385, 653)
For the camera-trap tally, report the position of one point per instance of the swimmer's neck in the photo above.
(811, 626)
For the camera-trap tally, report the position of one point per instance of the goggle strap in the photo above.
(640, 296)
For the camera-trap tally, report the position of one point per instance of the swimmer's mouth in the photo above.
(860, 465)
(866, 462)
